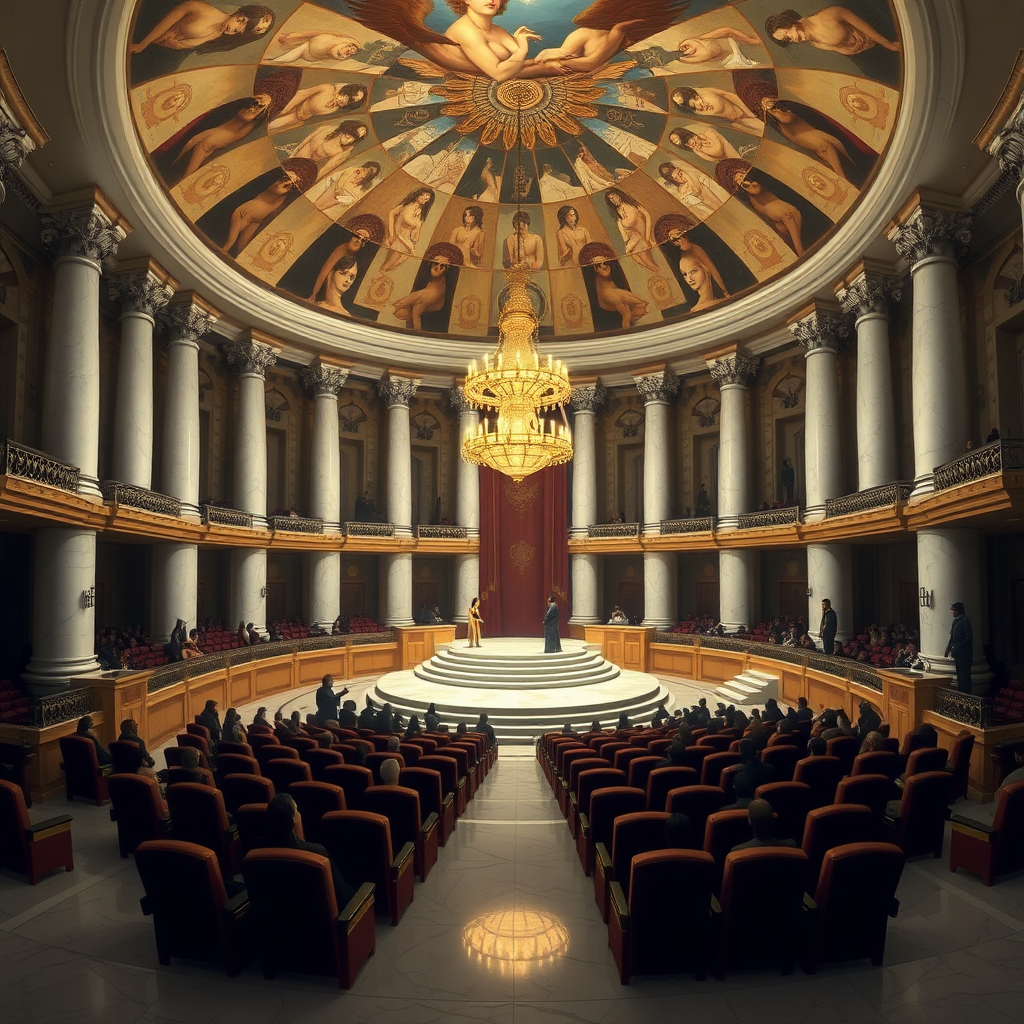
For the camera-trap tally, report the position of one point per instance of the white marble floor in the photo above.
(76, 947)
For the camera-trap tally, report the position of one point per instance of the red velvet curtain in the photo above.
(524, 550)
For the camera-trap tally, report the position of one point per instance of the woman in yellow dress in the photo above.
(475, 622)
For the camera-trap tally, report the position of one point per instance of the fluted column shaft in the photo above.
(397, 393)
(467, 510)
(933, 242)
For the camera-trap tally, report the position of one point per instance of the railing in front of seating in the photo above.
(845, 668)
(179, 671)
(886, 496)
(967, 708)
(295, 524)
(987, 460)
(20, 460)
(139, 497)
(788, 516)
(441, 533)
(214, 515)
(66, 706)
(603, 531)
(358, 529)
(702, 525)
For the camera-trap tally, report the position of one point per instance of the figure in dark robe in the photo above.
(552, 643)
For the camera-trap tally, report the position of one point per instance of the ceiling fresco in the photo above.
(385, 160)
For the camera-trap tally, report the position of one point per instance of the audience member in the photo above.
(347, 718)
(234, 731)
(260, 718)
(389, 770)
(430, 719)
(209, 718)
(762, 822)
(191, 769)
(679, 832)
(752, 767)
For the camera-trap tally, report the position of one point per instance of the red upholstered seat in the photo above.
(198, 815)
(359, 842)
(411, 753)
(299, 743)
(697, 803)
(597, 823)
(463, 795)
(624, 757)
(960, 763)
(32, 850)
(926, 759)
(632, 833)
(662, 780)
(566, 786)
(790, 801)
(711, 772)
(640, 769)
(871, 790)
(192, 915)
(376, 759)
(307, 932)
(201, 743)
(282, 772)
(229, 747)
(427, 782)
(274, 752)
(991, 850)
(448, 769)
(314, 800)
(878, 762)
(320, 759)
(354, 779)
(723, 831)
(693, 756)
(136, 806)
(921, 816)
(245, 789)
(236, 764)
(761, 885)
(83, 775)
(125, 757)
(401, 806)
(823, 775)
(587, 781)
(845, 748)
(719, 742)
(195, 729)
(783, 759)
(665, 885)
(837, 825)
(855, 896)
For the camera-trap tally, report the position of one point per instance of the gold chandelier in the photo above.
(518, 386)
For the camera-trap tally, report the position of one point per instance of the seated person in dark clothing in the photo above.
(430, 719)
(772, 711)
(743, 789)
(487, 729)
(211, 720)
(752, 767)
(252, 635)
(260, 718)
(623, 722)
(869, 719)
(367, 715)
(700, 715)
(282, 814)
(191, 771)
(673, 756)
(843, 727)
(684, 735)
(383, 719)
(803, 712)
(347, 715)
(679, 832)
(923, 736)
(85, 729)
(816, 747)
(130, 733)
(713, 727)
(762, 821)
(660, 715)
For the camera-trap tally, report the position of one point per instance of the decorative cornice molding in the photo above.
(249, 357)
(734, 369)
(397, 390)
(587, 398)
(869, 293)
(186, 321)
(139, 292)
(321, 379)
(660, 386)
(86, 232)
(931, 233)
(820, 329)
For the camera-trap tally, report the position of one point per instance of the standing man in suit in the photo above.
(828, 627)
(961, 646)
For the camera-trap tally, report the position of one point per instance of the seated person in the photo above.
(191, 770)
(752, 767)
(619, 617)
(389, 770)
(762, 821)
(85, 729)
(743, 789)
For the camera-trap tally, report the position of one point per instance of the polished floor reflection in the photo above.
(504, 930)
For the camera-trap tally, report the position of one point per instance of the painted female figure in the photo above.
(405, 222)
(634, 224)
(469, 236)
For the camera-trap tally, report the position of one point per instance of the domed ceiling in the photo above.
(383, 160)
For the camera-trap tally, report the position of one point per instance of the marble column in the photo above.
(949, 568)
(733, 374)
(323, 382)
(586, 601)
(829, 576)
(63, 616)
(141, 293)
(78, 237)
(933, 241)
(397, 572)
(821, 333)
(250, 359)
(467, 510)
(397, 392)
(737, 572)
(866, 297)
(660, 567)
(176, 566)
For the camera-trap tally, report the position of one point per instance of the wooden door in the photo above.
(353, 597)
(629, 596)
(910, 604)
(276, 601)
(793, 599)
(707, 598)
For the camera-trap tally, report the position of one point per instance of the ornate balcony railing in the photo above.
(368, 529)
(65, 706)
(769, 517)
(20, 460)
(295, 524)
(441, 533)
(214, 515)
(886, 496)
(967, 708)
(988, 460)
(139, 497)
(845, 668)
(605, 530)
(702, 525)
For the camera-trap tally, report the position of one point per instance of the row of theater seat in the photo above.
(13, 704)
(616, 803)
(377, 835)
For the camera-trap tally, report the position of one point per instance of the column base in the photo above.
(89, 487)
(924, 484)
(727, 523)
(392, 623)
(46, 676)
(190, 511)
(981, 674)
(584, 620)
(660, 624)
(814, 513)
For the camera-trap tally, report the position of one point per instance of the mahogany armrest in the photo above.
(237, 907)
(352, 909)
(42, 829)
(584, 825)
(619, 906)
(602, 857)
(969, 824)
(430, 824)
(400, 862)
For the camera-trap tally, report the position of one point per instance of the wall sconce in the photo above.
(809, 591)
(925, 597)
(89, 598)
(263, 591)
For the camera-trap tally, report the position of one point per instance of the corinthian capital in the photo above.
(734, 369)
(83, 231)
(869, 293)
(587, 398)
(660, 386)
(928, 233)
(322, 379)
(186, 321)
(397, 390)
(250, 357)
(820, 329)
(139, 292)
(458, 402)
